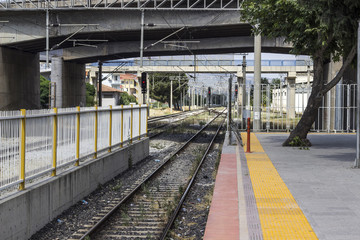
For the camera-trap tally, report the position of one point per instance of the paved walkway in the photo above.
(299, 194)
(322, 180)
(223, 223)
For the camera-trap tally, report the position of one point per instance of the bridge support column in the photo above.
(330, 71)
(69, 79)
(257, 84)
(19, 80)
(291, 97)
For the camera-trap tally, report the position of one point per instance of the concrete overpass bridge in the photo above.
(297, 68)
(88, 31)
(209, 66)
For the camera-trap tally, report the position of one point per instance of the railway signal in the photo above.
(143, 82)
(236, 90)
(209, 95)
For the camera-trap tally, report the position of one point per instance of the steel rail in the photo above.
(169, 158)
(158, 118)
(183, 197)
(167, 124)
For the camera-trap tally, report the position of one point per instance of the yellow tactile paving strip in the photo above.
(280, 216)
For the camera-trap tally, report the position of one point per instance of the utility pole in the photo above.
(147, 89)
(196, 97)
(202, 97)
(171, 96)
(257, 83)
(142, 47)
(189, 98)
(308, 74)
(183, 99)
(229, 105)
(243, 91)
(100, 83)
(47, 34)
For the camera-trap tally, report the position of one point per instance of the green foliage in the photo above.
(90, 95)
(44, 92)
(264, 81)
(276, 81)
(313, 27)
(324, 29)
(126, 99)
(161, 89)
(298, 142)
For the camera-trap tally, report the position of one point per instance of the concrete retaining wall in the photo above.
(24, 213)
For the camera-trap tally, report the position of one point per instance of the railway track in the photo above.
(153, 131)
(142, 212)
(169, 116)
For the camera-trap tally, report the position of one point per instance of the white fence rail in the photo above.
(37, 143)
(282, 107)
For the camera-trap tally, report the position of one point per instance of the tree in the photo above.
(161, 89)
(264, 82)
(324, 29)
(90, 95)
(126, 99)
(44, 92)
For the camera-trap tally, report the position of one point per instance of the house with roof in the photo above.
(110, 96)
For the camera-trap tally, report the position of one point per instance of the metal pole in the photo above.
(357, 160)
(268, 108)
(47, 35)
(100, 83)
(229, 106)
(308, 75)
(142, 39)
(147, 89)
(257, 83)
(243, 91)
(142, 48)
(171, 96)
(183, 99)
(202, 97)
(194, 78)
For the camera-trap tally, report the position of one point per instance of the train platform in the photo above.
(278, 192)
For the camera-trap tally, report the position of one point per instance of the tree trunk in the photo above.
(308, 118)
(319, 89)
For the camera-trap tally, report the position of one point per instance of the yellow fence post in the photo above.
(131, 124)
(122, 125)
(96, 130)
(147, 118)
(54, 147)
(139, 121)
(22, 148)
(110, 128)
(77, 163)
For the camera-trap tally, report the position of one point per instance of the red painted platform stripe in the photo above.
(223, 219)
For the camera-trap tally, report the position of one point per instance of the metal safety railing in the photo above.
(121, 4)
(282, 106)
(38, 143)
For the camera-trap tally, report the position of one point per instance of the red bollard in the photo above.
(248, 136)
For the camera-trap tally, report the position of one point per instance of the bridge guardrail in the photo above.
(38, 143)
(123, 4)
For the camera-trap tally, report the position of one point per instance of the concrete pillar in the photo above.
(257, 83)
(69, 78)
(19, 80)
(330, 71)
(291, 97)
